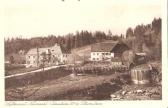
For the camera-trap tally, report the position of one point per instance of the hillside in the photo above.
(85, 51)
(82, 51)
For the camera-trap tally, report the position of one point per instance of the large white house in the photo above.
(51, 55)
(107, 50)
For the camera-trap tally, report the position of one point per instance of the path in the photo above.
(38, 70)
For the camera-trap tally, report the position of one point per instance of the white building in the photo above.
(52, 55)
(107, 50)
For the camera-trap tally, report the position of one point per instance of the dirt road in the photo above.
(39, 70)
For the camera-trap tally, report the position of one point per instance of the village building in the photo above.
(107, 51)
(65, 56)
(46, 56)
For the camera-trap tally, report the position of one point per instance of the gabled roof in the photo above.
(65, 50)
(56, 49)
(32, 51)
(103, 46)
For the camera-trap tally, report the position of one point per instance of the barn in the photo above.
(108, 50)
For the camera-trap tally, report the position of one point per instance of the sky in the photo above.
(32, 18)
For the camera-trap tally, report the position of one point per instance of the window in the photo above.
(97, 53)
(93, 53)
(97, 58)
(93, 58)
(29, 57)
(64, 55)
(33, 56)
(28, 62)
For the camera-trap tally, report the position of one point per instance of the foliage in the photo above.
(12, 59)
(129, 33)
(69, 41)
(10, 67)
(147, 38)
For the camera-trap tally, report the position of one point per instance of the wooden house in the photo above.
(107, 50)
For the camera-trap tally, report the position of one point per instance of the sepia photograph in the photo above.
(82, 50)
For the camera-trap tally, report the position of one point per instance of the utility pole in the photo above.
(37, 56)
(74, 53)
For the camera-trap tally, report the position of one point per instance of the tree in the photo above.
(156, 25)
(109, 35)
(129, 33)
(100, 36)
(121, 36)
(12, 61)
(44, 59)
(49, 55)
(139, 34)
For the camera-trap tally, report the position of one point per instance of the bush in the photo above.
(35, 78)
(9, 67)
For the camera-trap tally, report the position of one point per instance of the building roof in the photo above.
(56, 49)
(65, 50)
(103, 46)
(32, 51)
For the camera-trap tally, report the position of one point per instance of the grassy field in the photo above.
(52, 89)
(21, 69)
(87, 87)
(35, 78)
(82, 53)
(18, 70)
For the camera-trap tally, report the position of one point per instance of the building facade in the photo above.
(107, 50)
(46, 56)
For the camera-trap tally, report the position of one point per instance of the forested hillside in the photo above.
(146, 38)
(142, 38)
(68, 41)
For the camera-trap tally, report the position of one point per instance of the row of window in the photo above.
(28, 62)
(95, 58)
(52, 56)
(102, 53)
(65, 55)
(98, 58)
(30, 56)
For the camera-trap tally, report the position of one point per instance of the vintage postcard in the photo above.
(84, 52)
